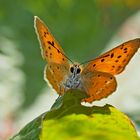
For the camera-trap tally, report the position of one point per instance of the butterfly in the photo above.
(96, 77)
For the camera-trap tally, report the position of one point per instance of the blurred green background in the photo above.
(83, 28)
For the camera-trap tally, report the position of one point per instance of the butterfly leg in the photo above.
(62, 88)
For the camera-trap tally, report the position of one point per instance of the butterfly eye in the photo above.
(71, 69)
(78, 70)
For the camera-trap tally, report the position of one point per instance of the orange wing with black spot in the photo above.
(58, 67)
(51, 50)
(97, 75)
(115, 60)
(56, 74)
(98, 85)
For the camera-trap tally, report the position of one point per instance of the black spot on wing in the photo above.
(112, 55)
(51, 43)
(107, 55)
(122, 46)
(58, 51)
(119, 56)
(45, 33)
(102, 60)
(94, 65)
(125, 49)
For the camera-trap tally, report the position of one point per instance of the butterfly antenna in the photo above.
(92, 60)
(63, 54)
(86, 62)
(67, 58)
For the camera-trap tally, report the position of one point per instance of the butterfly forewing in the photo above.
(51, 50)
(115, 60)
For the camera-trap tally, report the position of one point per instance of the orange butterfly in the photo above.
(96, 78)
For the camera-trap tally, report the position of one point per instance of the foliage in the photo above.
(68, 119)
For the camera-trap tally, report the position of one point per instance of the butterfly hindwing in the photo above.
(56, 74)
(98, 85)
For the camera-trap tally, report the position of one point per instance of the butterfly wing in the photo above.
(58, 66)
(98, 85)
(51, 50)
(55, 74)
(97, 76)
(115, 60)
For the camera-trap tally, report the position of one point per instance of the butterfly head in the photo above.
(73, 80)
(75, 69)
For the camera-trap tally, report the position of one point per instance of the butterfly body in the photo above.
(96, 78)
(74, 78)
(71, 80)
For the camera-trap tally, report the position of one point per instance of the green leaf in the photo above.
(31, 131)
(68, 119)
